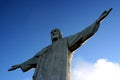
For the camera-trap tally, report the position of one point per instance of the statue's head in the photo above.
(55, 34)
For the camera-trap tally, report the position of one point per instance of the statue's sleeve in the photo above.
(76, 40)
(31, 63)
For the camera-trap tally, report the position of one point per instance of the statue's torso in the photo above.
(55, 62)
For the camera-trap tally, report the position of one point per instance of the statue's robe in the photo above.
(54, 61)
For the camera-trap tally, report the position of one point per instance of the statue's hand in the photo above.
(103, 15)
(14, 67)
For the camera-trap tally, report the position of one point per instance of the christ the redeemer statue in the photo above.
(54, 61)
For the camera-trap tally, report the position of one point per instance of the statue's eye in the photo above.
(55, 30)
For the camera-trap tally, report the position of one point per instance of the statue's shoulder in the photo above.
(41, 52)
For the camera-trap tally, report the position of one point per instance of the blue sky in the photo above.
(25, 27)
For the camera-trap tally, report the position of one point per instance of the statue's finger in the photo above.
(10, 69)
(109, 10)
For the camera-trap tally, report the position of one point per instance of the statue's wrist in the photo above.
(19, 66)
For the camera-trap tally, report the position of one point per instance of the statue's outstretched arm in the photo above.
(30, 63)
(76, 40)
(103, 15)
(25, 66)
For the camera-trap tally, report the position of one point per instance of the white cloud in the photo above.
(102, 69)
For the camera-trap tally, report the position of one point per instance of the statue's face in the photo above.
(55, 35)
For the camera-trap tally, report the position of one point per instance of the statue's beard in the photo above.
(55, 39)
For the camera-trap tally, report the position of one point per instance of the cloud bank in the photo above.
(102, 69)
